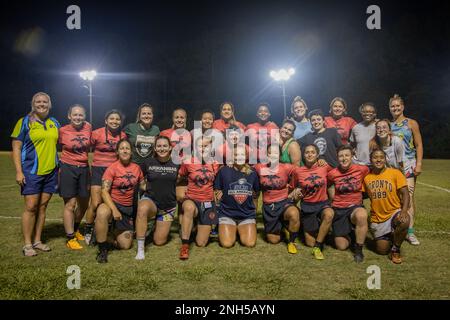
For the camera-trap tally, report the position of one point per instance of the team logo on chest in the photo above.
(240, 190)
(127, 183)
(79, 145)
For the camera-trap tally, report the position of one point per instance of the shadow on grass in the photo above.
(53, 231)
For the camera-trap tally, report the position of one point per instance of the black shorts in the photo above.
(273, 216)
(127, 222)
(73, 181)
(97, 175)
(311, 216)
(342, 224)
(207, 213)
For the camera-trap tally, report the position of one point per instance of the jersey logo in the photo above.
(273, 182)
(348, 185)
(314, 185)
(81, 147)
(128, 182)
(203, 176)
(321, 143)
(240, 190)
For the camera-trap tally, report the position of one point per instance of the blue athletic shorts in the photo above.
(35, 184)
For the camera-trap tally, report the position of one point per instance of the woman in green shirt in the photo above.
(290, 149)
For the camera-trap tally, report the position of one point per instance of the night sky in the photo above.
(195, 54)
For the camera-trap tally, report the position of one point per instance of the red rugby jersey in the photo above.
(221, 125)
(348, 185)
(313, 182)
(343, 126)
(75, 143)
(274, 182)
(124, 179)
(255, 132)
(104, 144)
(200, 179)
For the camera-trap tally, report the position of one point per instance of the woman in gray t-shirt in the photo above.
(389, 143)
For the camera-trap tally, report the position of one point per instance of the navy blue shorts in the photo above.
(127, 222)
(273, 216)
(311, 216)
(342, 225)
(73, 181)
(96, 176)
(207, 213)
(35, 184)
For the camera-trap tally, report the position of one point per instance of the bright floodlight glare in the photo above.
(88, 75)
(282, 74)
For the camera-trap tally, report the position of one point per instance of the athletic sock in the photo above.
(395, 248)
(319, 245)
(88, 227)
(185, 241)
(293, 236)
(410, 230)
(70, 236)
(76, 226)
(359, 247)
(141, 244)
(103, 246)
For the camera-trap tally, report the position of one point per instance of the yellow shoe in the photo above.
(79, 236)
(292, 248)
(317, 253)
(73, 244)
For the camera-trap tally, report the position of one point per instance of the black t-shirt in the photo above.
(161, 182)
(328, 141)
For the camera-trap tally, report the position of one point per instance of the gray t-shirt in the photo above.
(361, 136)
(395, 153)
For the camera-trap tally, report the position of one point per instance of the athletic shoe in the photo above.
(102, 256)
(140, 255)
(358, 256)
(28, 251)
(79, 236)
(214, 233)
(73, 244)
(412, 239)
(395, 257)
(292, 248)
(317, 253)
(184, 252)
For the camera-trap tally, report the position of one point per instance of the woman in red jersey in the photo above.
(75, 139)
(339, 120)
(118, 184)
(279, 211)
(103, 143)
(349, 211)
(199, 201)
(316, 212)
(227, 118)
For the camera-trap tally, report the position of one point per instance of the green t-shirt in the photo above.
(142, 141)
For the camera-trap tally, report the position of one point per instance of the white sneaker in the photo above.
(87, 238)
(412, 239)
(140, 255)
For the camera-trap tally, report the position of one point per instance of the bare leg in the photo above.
(29, 216)
(227, 235)
(43, 203)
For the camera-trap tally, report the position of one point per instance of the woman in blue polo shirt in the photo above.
(237, 188)
(36, 162)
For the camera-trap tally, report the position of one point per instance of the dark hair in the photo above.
(375, 150)
(316, 112)
(312, 145)
(122, 141)
(290, 122)
(232, 108)
(344, 147)
(263, 104)
(75, 106)
(375, 143)
(142, 106)
(365, 104)
(163, 138)
(208, 111)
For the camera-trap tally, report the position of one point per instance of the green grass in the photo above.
(264, 272)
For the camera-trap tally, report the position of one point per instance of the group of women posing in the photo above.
(134, 177)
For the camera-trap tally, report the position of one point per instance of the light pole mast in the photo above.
(283, 75)
(89, 77)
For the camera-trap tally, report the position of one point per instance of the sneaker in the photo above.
(87, 238)
(412, 239)
(102, 256)
(358, 257)
(79, 236)
(292, 248)
(140, 255)
(317, 253)
(214, 233)
(184, 252)
(73, 244)
(28, 251)
(395, 257)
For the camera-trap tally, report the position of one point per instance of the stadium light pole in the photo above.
(283, 75)
(89, 76)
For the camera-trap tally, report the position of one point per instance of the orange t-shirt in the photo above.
(382, 191)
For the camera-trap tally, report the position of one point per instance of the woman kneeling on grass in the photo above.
(199, 200)
(118, 185)
(159, 199)
(237, 188)
(310, 182)
(279, 211)
(388, 192)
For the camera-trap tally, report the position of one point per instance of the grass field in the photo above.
(264, 272)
